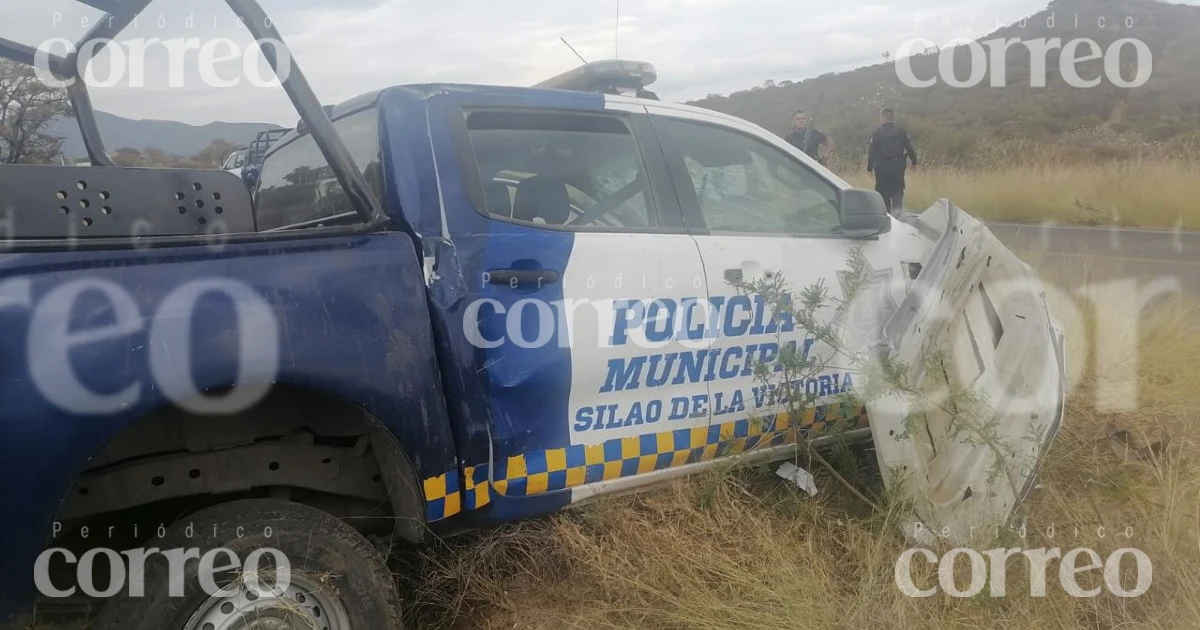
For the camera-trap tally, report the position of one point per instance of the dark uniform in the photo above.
(815, 140)
(886, 157)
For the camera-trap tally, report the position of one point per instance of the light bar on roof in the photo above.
(613, 76)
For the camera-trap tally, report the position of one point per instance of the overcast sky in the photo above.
(347, 47)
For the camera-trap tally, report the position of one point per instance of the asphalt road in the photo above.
(1108, 253)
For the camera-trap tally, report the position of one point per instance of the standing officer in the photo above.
(808, 140)
(886, 158)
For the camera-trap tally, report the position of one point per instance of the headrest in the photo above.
(495, 195)
(542, 199)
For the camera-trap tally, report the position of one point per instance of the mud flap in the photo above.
(984, 374)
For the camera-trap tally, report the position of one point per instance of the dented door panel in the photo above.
(984, 357)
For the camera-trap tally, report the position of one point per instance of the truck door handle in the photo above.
(524, 278)
(733, 275)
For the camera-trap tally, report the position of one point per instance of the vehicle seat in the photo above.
(542, 199)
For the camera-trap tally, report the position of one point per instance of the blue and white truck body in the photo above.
(536, 310)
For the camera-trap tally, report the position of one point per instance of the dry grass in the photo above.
(1151, 193)
(744, 550)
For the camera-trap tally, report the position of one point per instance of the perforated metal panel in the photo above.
(101, 202)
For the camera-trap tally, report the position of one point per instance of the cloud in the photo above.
(849, 40)
(354, 46)
(32, 23)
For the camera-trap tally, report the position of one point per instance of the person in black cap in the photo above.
(887, 158)
(809, 141)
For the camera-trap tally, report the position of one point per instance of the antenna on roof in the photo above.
(617, 36)
(564, 41)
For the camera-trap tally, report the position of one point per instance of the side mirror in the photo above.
(863, 213)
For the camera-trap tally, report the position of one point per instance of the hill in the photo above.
(971, 124)
(174, 138)
(975, 126)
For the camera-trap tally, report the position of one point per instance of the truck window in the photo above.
(746, 185)
(573, 171)
(298, 187)
(237, 159)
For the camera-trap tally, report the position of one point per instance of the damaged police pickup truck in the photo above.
(443, 307)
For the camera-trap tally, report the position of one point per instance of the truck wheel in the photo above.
(338, 580)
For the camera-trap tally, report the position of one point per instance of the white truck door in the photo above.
(758, 210)
(757, 207)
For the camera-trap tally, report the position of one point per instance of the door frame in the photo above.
(459, 185)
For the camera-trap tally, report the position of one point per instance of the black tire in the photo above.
(351, 569)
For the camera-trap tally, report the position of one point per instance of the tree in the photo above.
(27, 108)
(151, 157)
(157, 158)
(128, 156)
(214, 155)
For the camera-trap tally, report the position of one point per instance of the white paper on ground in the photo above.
(797, 475)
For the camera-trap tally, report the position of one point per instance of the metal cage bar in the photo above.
(27, 55)
(85, 114)
(107, 6)
(320, 127)
(119, 14)
(122, 14)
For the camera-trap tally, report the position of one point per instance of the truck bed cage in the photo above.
(262, 144)
(119, 14)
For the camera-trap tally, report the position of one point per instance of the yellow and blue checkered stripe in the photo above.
(443, 497)
(549, 470)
